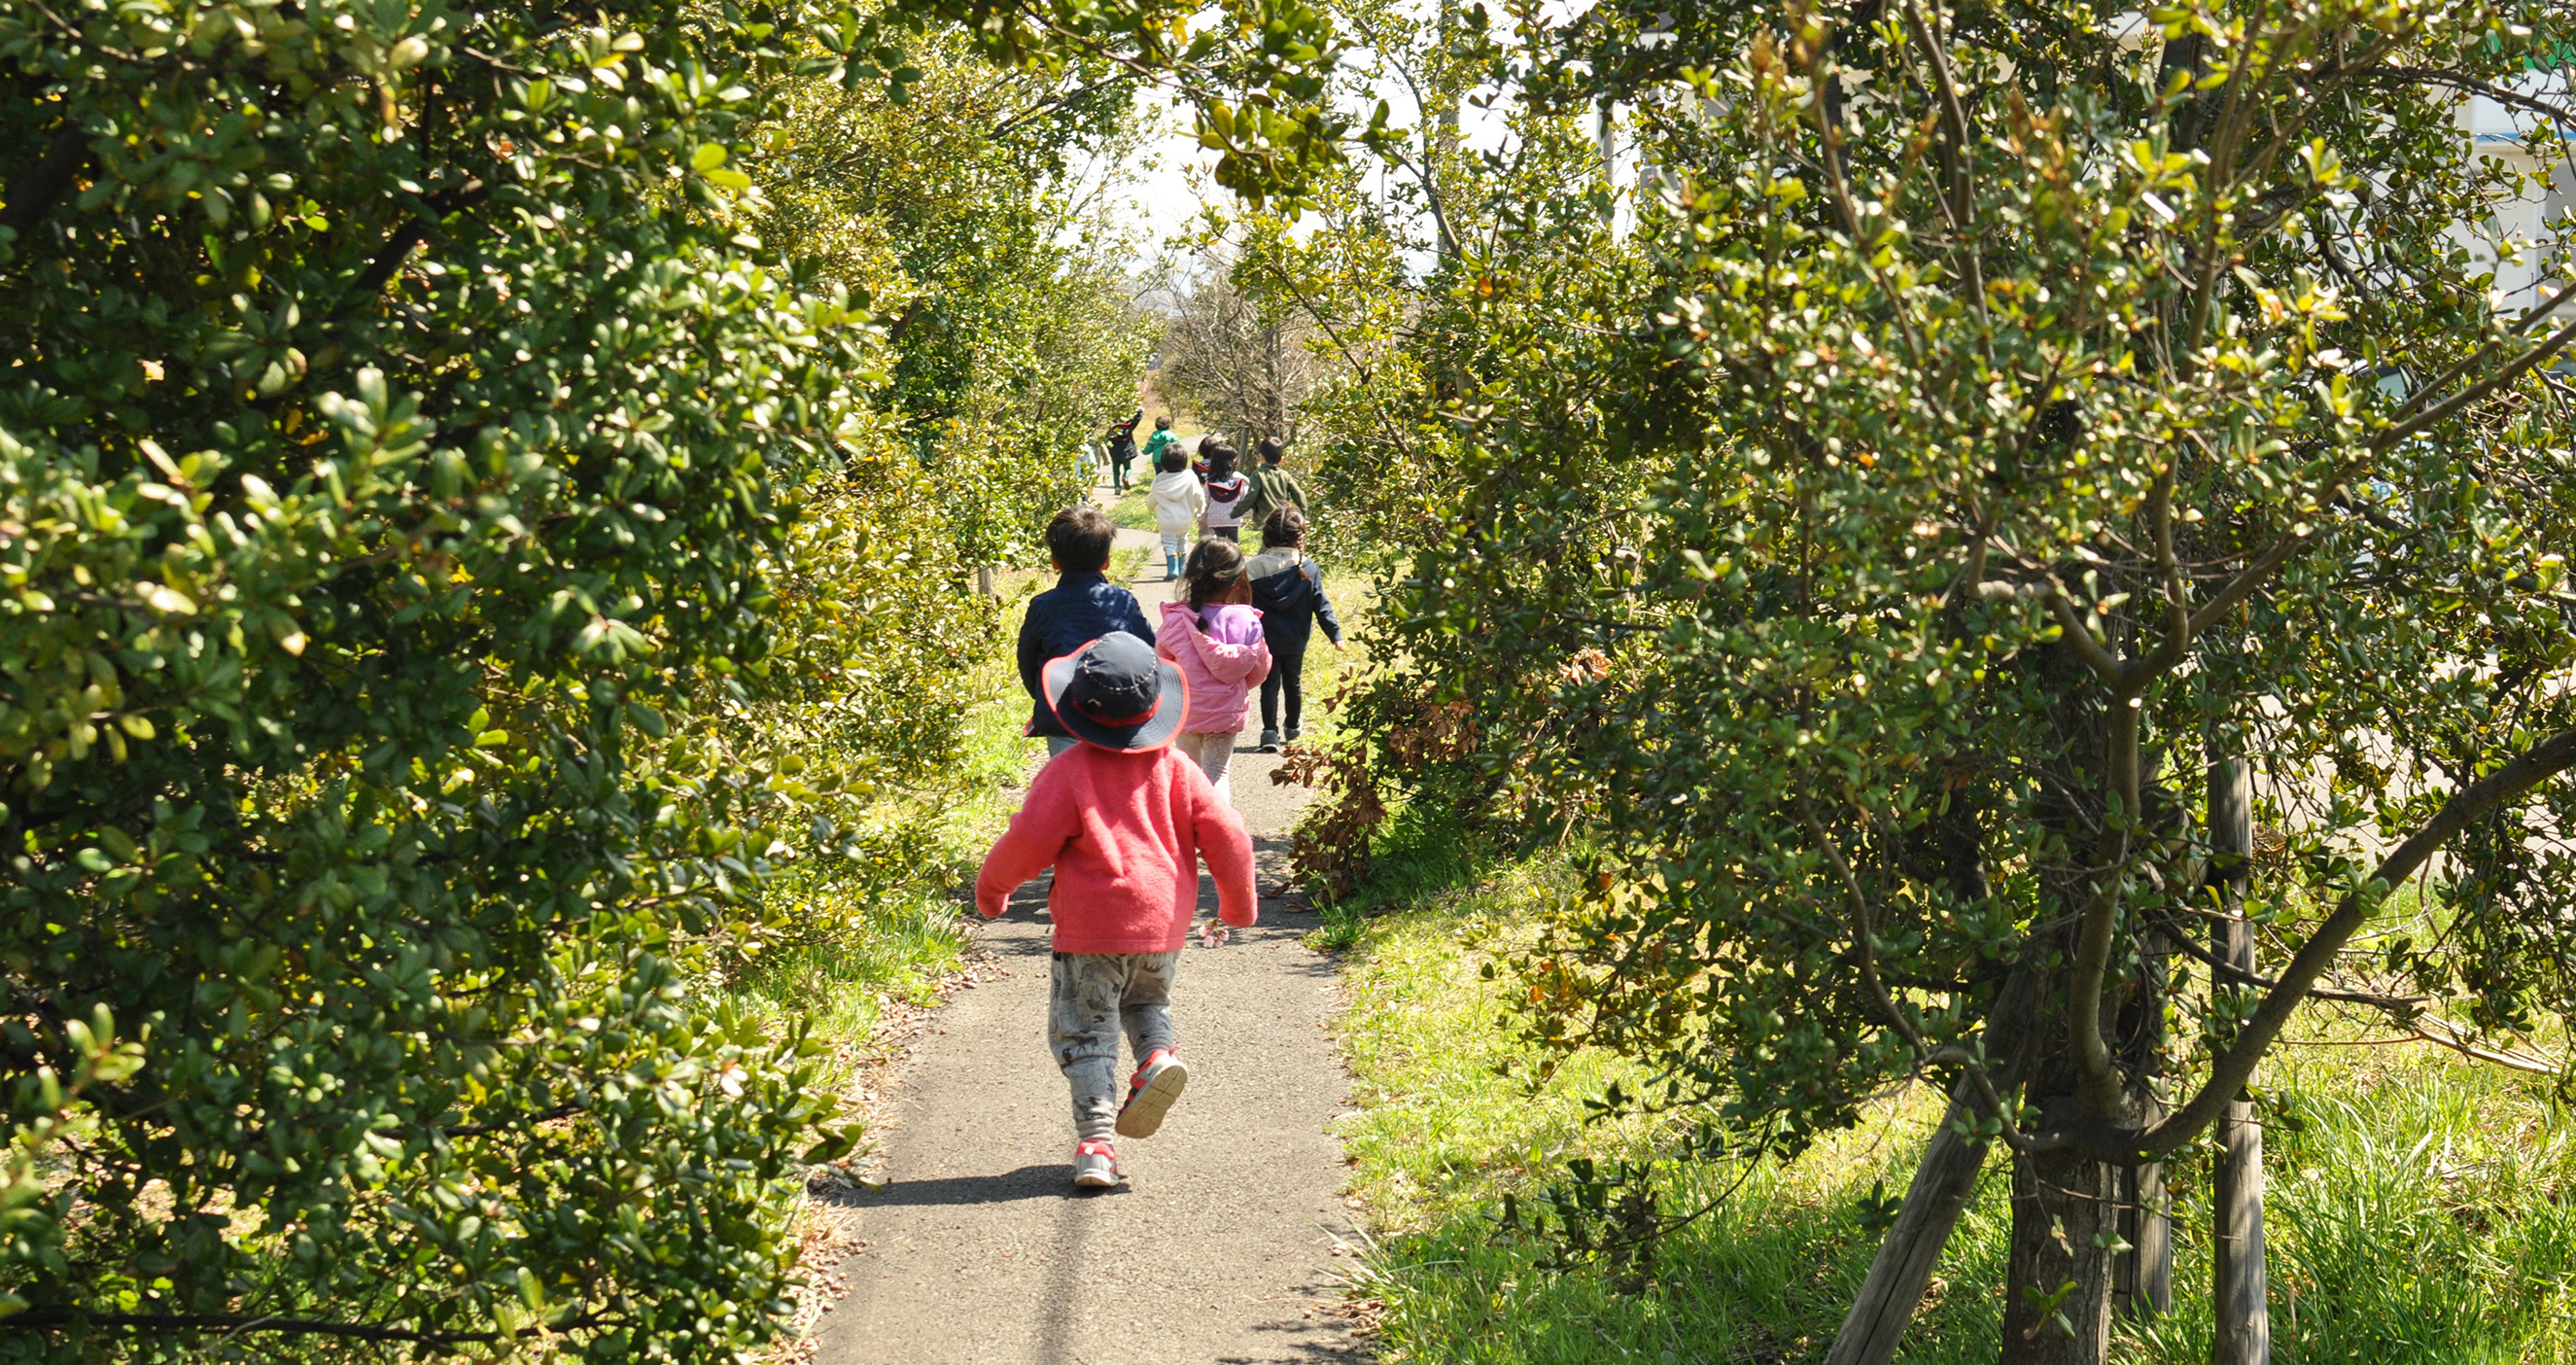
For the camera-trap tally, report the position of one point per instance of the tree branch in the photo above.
(397, 248)
(1950, 1055)
(2228, 1076)
(1054, 101)
(2557, 342)
(2469, 362)
(2080, 636)
(2247, 579)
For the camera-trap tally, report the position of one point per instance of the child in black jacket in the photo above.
(1288, 587)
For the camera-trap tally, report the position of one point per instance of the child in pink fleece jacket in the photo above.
(1124, 821)
(1216, 639)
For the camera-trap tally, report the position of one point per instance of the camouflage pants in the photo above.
(1092, 998)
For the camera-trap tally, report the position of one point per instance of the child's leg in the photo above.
(1270, 695)
(1146, 1006)
(1214, 753)
(1083, 1011)
(1290, 671)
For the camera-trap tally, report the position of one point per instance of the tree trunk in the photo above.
(2057, 1305)
(2243, 1308)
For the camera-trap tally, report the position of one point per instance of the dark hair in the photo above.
(1221, 461)
(1080, 538)
(1271, 450)
(1173, 461)
(1163, 423)
(1214, 568)
(1283, 528)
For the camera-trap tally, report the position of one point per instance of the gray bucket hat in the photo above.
(1114, 693)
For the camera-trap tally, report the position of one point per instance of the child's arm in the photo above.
(1228, 852)
(1033, 660)
(1137, 625)
(1233, 663)
(1324, 605)
(1038, 834)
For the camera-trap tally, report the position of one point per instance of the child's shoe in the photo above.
(1294, 731)
(1269, 741)
(1095, 1164)
(1158, 1082)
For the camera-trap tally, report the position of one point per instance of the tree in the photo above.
(1243, 363)
(973, 214)
(2029, 408)
(401, 442)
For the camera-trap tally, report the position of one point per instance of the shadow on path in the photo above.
(1028, 1182)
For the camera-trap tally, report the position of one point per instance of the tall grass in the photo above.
(2423, 1208)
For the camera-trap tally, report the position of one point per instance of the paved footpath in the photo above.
(1220, 1246)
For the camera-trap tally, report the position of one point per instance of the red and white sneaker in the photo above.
(1095, 1164)
(1149, 1096)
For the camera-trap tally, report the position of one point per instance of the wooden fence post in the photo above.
(2243, 1307)
(2142, 1278)
(1944, 1181)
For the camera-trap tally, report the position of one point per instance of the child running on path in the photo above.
(1226, 492)
(1163, 436)
(1216, 640)
(1122, 448)
(1124, 821)
(1177, 500)
(1288, 588)
(1083, 605)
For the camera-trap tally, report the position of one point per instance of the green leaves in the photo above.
(457, 533)
(1865, 571)
(380, 476)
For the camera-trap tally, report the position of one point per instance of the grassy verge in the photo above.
(1130, 509)
(2420, 1205)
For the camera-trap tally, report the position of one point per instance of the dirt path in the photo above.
(1220, 1246)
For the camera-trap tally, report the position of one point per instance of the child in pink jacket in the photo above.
(1124, 821)
(1216, 639)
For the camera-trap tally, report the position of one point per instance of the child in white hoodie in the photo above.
(1177, 500)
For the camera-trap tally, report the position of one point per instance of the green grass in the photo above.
(2423, 1211)
(1130, 509)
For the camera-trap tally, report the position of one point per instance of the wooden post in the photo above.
(1943, 1183)
(2142, 1279)
(984, 580)
(2243, 1305)
(2146, 1292)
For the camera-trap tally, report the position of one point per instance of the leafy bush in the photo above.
(351, 594)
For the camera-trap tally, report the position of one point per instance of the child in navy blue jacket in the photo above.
(1288, 588)
(1082, 606)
